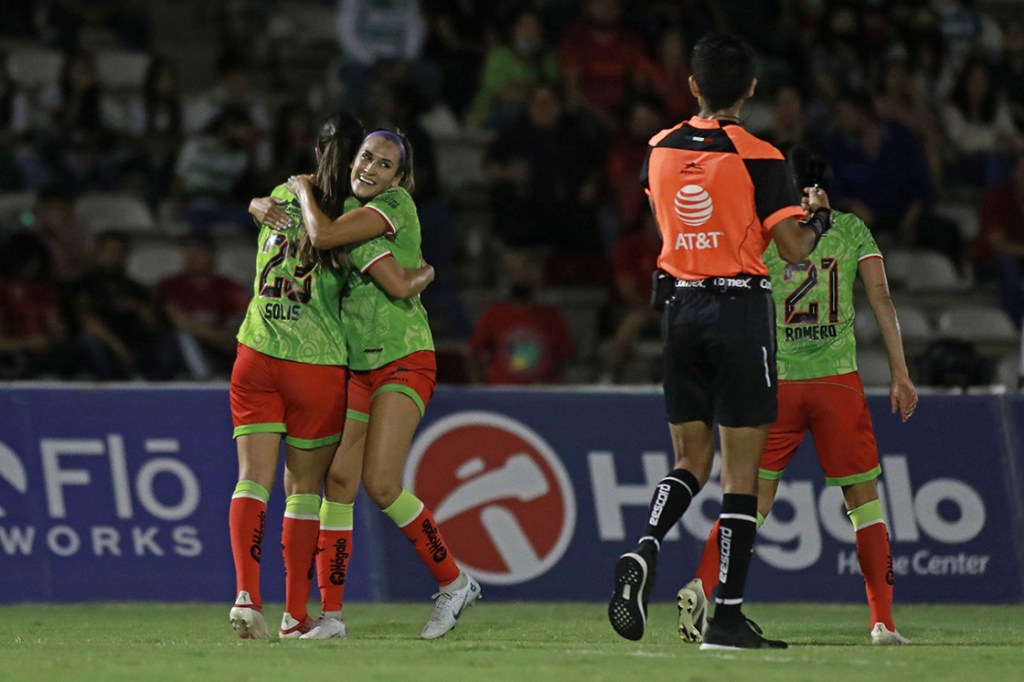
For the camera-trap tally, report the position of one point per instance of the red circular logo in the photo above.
(499, 493)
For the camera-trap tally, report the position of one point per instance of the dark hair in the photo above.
(807, 168)
(405, 160)
(154, 103)
(337, 142)
(990, 99)
(723, 66)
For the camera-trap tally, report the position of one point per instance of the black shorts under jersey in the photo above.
(720, 358)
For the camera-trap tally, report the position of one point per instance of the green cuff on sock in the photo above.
(251, 489)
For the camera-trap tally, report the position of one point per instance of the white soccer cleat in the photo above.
(293, 629)
(246, 619)
(327, 627)
(883, 636)
(693, 608)
(448, 606)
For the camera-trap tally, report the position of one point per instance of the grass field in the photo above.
(529, 642)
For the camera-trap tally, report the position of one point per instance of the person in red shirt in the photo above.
(601, 59)
(519, 340)
(204, 307)
(629, 306)
(998, 252)
(33, 336)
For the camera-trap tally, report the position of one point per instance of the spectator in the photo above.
(118, 322)
(371, 32)
(629, 315)
(519, 340)
(204, 309)
(66, 235)
(881, 174)
(980, 127)
(156, 121)
(74, 103)
(1011, 71)
(511, 69)
(456, 43)
(601, 60)
(214, 173)
(233, 91)
(544, 178)
(789, 125)
(998, 253)
(668, 75)
(32, 330)
(898, 97)
(293, 142)
(626, 154)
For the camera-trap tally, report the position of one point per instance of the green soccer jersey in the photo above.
(378, 328)
(295, 311)
(814, 301)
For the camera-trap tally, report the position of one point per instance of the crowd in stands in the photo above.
(912, 102)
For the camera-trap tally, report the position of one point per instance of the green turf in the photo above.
(529, 642)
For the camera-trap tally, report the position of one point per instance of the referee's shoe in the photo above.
(634, 575)
(741, 634)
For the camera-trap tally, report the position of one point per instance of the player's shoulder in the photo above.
(661, 135)
(750, 146)
(394, 198)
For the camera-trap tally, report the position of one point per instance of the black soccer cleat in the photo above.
(627, 610)
(744, 634)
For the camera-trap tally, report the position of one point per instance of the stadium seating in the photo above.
(873, 366)
(115, 211)
(35, 68)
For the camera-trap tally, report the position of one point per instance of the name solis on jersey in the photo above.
(280, 311)
(697, 241)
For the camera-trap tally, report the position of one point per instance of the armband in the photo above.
(819, 222)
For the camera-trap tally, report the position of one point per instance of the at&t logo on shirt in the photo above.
(694, 207)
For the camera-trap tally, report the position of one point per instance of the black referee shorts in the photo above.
(720, 357)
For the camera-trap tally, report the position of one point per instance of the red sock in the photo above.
(299, 532)
(875, 558)
(707, 571)
(426, 539)
(331, 566)
(246, 521)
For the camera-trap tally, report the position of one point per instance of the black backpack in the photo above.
(951, 363)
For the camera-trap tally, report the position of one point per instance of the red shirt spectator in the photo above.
(526, 342)
(600, 58)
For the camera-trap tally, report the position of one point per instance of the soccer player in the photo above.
(393, 374)
(821, 392)
(288, 381)
(720, 195)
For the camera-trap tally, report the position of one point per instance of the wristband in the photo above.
(819, 222)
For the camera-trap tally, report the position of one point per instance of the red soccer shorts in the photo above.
(415, 375)
(305, 402)
(835, 411)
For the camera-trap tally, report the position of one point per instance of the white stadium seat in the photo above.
(115, 211)
(35, 68)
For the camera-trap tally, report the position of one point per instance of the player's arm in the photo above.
(401, 282)
(349, 228)
(796, 240)
(902, 393)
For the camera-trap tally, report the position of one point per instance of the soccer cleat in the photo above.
(448, 606)
(327, 627)
(744, 634)
(883, 636)
(627, 610)
(246, 619)
(693, 608)
(293, 629)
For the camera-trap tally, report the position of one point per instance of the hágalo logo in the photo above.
(499, 493)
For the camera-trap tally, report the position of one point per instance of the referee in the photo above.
(719, 195)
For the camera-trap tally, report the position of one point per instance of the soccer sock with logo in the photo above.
(416, 521)
(707, 571)
(247, 519)
(333, 553)
(299, 532)
(672, 496)
(875, 557)
(737, 527)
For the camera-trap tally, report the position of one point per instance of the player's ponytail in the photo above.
(336, 143)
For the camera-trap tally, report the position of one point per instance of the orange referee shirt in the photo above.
(718, 191)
